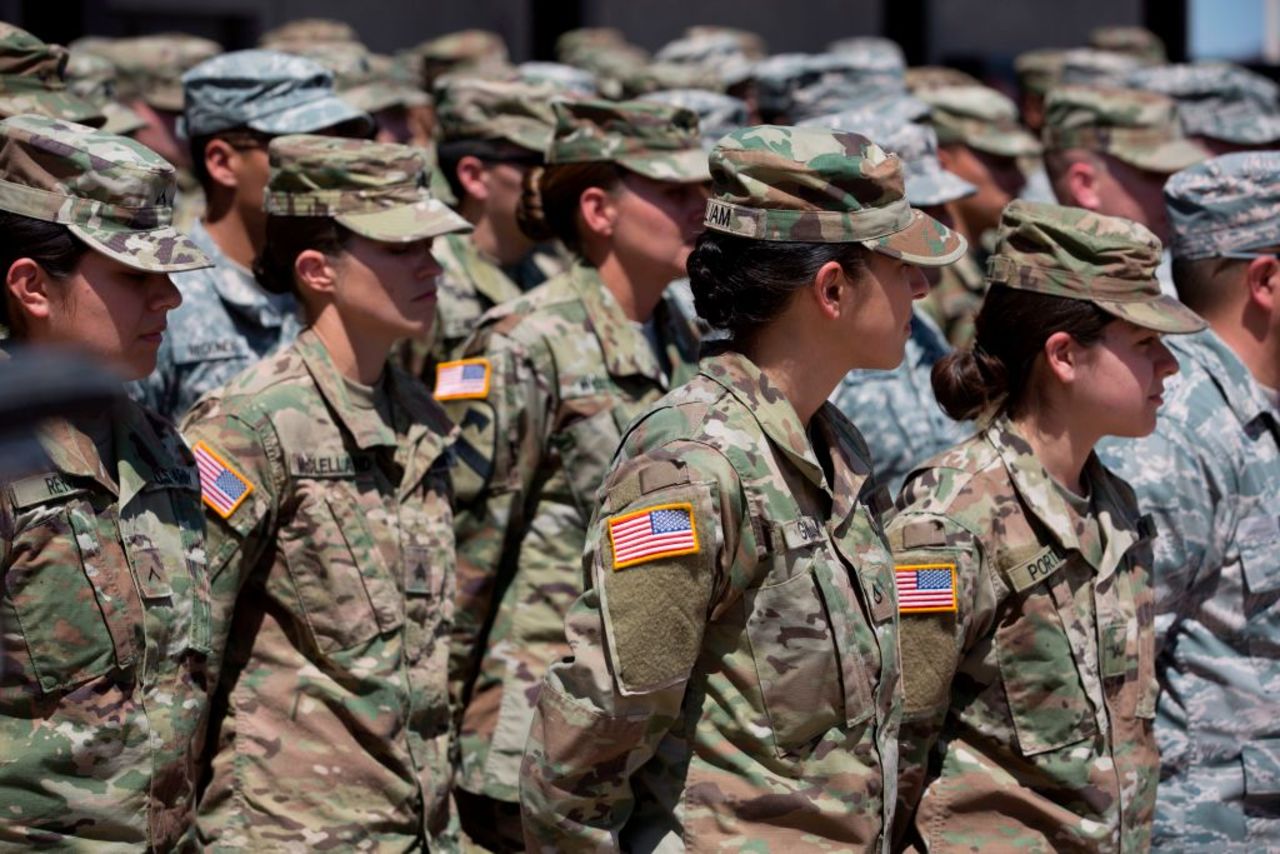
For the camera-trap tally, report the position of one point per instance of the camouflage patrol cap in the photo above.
(1228, 204)
(892, 107)
(801, 85)
(717, 114)
(719, 53)
(656, 76)
(378, 190)
(151, 67)
(812, 185)
(466, 49)
(94, 79)
(1039, 70)
(1139, 128)
(1138, 42)
(111, 192)
(364, 80)
(1217, 100)
(1079, 254)
(32, 80)
(308, 31)
(470, 108)
(880, 58)
(573, 82)
(1087, 66)
(922, 78)
(657, 141)
(264, 90)
(750, 43)
(979, 117)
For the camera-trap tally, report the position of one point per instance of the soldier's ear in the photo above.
(220, 159)
(314, 271)
(27, 289)
(1263, 277)
(472, 175)
(598, 210)
(1082, 180)
(1061, 357)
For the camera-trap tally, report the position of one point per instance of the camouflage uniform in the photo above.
(1218, 100)
(226, 322)
(105, 603)
(331, 559)
(750, 686)
(566, 372)
(94, 79)
(1210, 475)
(1029, 671)
(33, 80)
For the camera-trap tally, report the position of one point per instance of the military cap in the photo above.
(571, 46)
(572, 81)
(470, 108)
(308, 31)
(926, 77)
(802, 85)
(892, 107)
(1228, 204)
(1217, 100)
(1079, 254)
(93, 78)
(1138, 42)
(466, 49)
(113, 193)
(264, 90)
(1087, 66)
(378, 190)
(32, 80)
(752, 44)
(657, 141)
(656, 76)
(717, 114)
(367, 82)
(813, 185)
(880, 57)
(718, 52)
(979, 117)
(150, 68)
(1139, 128)
(1039, 70)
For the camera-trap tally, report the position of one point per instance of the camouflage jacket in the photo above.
(896, 411)
(105, 616)
(953, 303)
(734, 670)
(226, 323)
(333, 585)
(1030, 700)
(569, 372)
(1210, 475)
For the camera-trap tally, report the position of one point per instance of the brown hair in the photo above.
(549, 201)
(49, 244)
(287, 237)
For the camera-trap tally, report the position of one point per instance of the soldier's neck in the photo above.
(637, 293)
(234, 237)
(358, 357)
(1256, 344)
(1062, 451)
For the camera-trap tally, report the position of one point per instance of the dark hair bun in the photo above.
(969, 383)
(531, 216)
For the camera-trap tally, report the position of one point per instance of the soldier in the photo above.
(326, 485)
(105, 603)
(1038, 71)
(235, 104)
(33, 80)
(546, 387)
(1222, 106)
(1210, 474)
(1021, 563)
(734, 669)
(793, 87)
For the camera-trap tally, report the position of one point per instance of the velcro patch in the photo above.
(925, 588)
(221, 487)
(666, 530)
(1040, 566)
(465, 379)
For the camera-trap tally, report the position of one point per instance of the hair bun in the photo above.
(969, 383)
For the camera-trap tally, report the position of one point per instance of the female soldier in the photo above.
(554, 378)
(331, 553)
(734, 672)
(1022, 564)
(104, 604)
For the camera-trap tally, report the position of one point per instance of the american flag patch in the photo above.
(926, 588)
(462, 380)
(655, 532)
(222, 487)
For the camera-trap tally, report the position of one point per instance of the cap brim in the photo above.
(689, 166)
(1007, 144)
(1161, 314)
(58, 105)
(121, 120)
(375, 97)
(1168, 157)
(928, 187)
(156, 250)
(417, 221)
(310, 117)
(925, 243)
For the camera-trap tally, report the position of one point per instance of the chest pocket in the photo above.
(587, 445)
(812, 678)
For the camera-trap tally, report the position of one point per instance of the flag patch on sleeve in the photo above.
(466, 379)
(925, 588)
(666, 530)
(222, 487)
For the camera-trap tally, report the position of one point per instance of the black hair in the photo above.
(287, 237)
(740, 285)
(993, 375)
(49, 244)
(549, 203)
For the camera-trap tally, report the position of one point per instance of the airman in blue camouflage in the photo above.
(1224, 106)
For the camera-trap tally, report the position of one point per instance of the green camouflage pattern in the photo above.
(979, 117)
(656, 76)
(1218, 100)
(151, 67)
(33, 80)
(1138, 42)
(815, 185)
(745, 696)
(1039, 70)
(105, 642)
(1228, 204)
(366, 81)
(1139, 128)
(470, 108)
(308, 31)
(93, 78)
(1210, 475)
(1079, 254)
(113, 193)
(657, 141)
(569, 372)
(1029, 708)
(333, 585)
(378, 190)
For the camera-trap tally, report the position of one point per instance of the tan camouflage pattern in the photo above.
(333, 586)
(367, 81)
(745, 696)
(1087, 66)
(953, 303)
(105, 641)
(1039, 70)
(468, 108)
(1079, 254)
(151, 67)
(33, 80)
(569, 373)
(1139, 128)
(93, 78)
(922, 78)
(1028, 714)
(725, 54)
(1138, 42)
(308, 31)
(113, 193)
(470, 51)
(657, 141)
(979, 117)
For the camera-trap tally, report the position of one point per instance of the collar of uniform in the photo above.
(365, 425)
(626, 351)
(1243, 395)
(1119, 525)
(73, 453)
(458, 254)
(1040, 496)
(236, 286)
(429, 433)
(141, 454)
(769, 407)
(850, 462)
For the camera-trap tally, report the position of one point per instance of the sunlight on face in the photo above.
(1121, 381)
